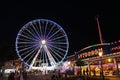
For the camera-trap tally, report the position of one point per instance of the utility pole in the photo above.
(100, 53)
(99, 30)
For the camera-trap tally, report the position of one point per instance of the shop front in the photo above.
(101, 59)
(110, 66)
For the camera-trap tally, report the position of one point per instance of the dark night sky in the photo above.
(76, 19)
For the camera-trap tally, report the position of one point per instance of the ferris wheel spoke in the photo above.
(56, 38)
(40, 29)
(61, 46)
(57, 48)
(41, 55)
(22, 46)
(50, 31)
(57, 43)
(43, 58)
(28, 34)
(32, 46)
(46, 58)
(52, 50)
(27, 37)
(45, 62)
(54, 34)
(45, 28)
(28, 42)
(28, 61)
(31, 32)
(40, 59)
(36, 31)
(31, 56)
(26, 46)
(24, 53)
(32, 52)
(60, 53)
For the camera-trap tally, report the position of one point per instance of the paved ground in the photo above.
(113, 78)
(48, 77)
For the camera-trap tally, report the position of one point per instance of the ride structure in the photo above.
(42, 44)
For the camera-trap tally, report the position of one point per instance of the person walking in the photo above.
(24, 75)
(83, 72)
(11, 76)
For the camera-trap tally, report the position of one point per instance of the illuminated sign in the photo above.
(9, 70)
(115, 46)
(91, 51)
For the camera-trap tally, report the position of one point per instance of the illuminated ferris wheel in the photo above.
(42, 44)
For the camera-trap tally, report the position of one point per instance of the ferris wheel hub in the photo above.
(43, 42)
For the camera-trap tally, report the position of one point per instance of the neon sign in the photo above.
(90, 53)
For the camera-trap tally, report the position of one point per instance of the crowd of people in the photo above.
(18, 76)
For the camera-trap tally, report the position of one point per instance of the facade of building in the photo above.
(99, 58)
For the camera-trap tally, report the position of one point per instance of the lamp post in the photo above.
(101, 71)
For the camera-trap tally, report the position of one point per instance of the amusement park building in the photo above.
(110, 58)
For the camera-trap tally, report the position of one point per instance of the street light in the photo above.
(102, 74)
